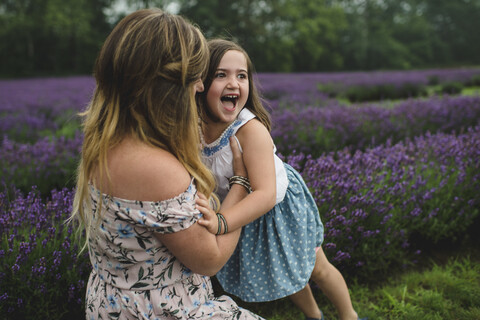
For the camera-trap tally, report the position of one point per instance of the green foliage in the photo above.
(315, 31)
(68, 130)
(471, 91)
(366, 93)
(410, 34)
(433, 80)
(280, 36)
(374, 93)
(384, 92)
(63, 37)
(51, 36)
(451, 88)
(332, 89)
(474, 81)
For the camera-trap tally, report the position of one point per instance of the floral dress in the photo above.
(135, 276)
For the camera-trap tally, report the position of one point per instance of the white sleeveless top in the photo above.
(218, 157)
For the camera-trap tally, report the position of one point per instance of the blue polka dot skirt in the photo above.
(275, 255)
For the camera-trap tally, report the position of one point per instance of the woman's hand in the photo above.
(238, 165)
(209, 219)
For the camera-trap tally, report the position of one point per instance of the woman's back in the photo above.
(139, 252)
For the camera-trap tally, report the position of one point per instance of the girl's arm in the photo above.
(257, 148)
(258, 158)
(236, 193)
(239, 169)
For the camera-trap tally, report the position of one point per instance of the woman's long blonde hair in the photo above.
(144, 75)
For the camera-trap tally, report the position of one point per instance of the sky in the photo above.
(121, 7)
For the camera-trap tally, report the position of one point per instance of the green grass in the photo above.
(471, 91)
(444, 286)
(451, 291)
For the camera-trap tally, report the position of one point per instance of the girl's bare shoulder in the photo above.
(254, 133)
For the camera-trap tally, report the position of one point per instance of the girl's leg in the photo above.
(305, 301)
(333, 285)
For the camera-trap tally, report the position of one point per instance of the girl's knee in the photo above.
(320, 272)
(323, 267)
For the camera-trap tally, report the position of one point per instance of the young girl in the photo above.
(279, 247)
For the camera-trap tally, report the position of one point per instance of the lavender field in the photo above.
(392, 178)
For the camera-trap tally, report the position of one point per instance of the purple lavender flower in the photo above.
(315, 130)
(386, 193)
(377, 174)
(38, 251)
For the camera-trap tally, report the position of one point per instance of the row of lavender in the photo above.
(357, 127)
(33, 108)
(303, 88)
(50, 161)
(373, 196)
(383, 205)
(372, 202)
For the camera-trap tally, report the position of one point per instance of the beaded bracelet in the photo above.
(219, 225)
(221, 220)
(241, 181)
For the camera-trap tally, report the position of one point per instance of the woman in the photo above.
(141, 184)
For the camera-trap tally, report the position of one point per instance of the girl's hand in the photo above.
(238, 165)
(209, 219)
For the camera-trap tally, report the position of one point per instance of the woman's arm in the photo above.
(259, 161)
(199, 250)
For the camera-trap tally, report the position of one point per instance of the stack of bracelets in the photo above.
(244, 182)
(241, 181)
(221, 220)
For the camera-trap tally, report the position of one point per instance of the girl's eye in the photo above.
(242, 76)
(220, 75)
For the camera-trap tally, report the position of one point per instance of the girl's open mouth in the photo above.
(230, 99)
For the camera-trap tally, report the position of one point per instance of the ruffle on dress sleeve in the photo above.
(166, 216)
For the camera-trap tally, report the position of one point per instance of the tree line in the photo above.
(58, 37)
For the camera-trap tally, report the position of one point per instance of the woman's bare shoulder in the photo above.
(143, 172)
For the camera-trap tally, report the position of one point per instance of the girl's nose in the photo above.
(232, 82)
